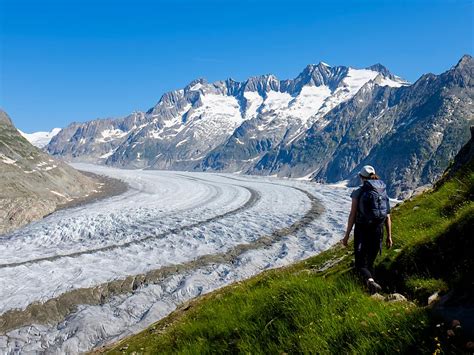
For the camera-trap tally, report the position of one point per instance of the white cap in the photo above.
(366, 171)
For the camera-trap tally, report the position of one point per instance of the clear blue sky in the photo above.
(76, 60)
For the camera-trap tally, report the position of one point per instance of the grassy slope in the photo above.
(309, 307)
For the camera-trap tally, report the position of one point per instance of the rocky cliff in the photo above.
(32, 184)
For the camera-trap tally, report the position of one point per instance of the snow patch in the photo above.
(108, 135)
(155, 134)
(394, 84)
(40, 139)
(339, 184)
(7, 160)
(196, 87)
(58, 194)
(356, 78)
(276, 100)
(254, 101)
(218, 116)
(50, 168)
(108, 154)
(309, 101)
(182, 142)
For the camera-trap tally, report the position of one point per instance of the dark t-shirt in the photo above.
(356, 194)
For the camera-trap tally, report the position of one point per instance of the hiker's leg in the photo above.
(372, 252)
(360, 251)
(374, 247)
(358, 256)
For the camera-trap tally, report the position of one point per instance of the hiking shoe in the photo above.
(374, 287)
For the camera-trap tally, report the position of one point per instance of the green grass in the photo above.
(432, 235)
(421, 289)
(301, 309)
(292, 313)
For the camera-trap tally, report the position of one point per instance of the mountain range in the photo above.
(322, 125)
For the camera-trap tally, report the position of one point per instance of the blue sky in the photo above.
(76, 60)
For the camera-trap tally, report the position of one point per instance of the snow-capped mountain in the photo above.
(186, 125)
(322, 124)
(40, 139)
(410, 134)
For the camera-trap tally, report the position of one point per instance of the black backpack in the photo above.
(373, 202)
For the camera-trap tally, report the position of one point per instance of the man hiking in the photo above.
(370, 212)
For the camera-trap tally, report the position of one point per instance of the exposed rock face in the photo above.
(324, 124)
(32, 184)
(464, 158)
(432, 125)
(93, 141)
(5, 119)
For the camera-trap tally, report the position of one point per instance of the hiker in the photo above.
(370, 212)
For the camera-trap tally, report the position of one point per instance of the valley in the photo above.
(92, 274)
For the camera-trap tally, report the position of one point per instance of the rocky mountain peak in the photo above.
(233, 86)
(461, 73)
(262, 84)
(316, 75)
(381, 69)
(5, 119)
(171, 98)
(195, 84)
(465, 61)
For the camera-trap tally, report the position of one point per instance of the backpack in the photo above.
(373, 202)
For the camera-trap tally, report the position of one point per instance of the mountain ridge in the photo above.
(323, 124)
(33, 184)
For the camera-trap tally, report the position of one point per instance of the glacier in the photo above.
(210, 229)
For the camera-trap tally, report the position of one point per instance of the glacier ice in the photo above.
(165, 218)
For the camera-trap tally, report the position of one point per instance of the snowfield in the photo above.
(115, 266)
(40, 139)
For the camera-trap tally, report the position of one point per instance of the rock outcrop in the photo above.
(32, 184)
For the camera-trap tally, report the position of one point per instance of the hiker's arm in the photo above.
(388, 227)
(350, 221)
